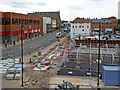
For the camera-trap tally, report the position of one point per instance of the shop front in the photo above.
(30, 33)
(16, 35)
(1, 37)
(5, 37)
(33, 33)
(25, 34)
(38, 32)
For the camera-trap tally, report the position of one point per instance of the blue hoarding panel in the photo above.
(111, 75)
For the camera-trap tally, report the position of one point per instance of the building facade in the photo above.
(47, 24)
(119, 10)
(52, 15)
(54, 23)
(80, 26)
(106, 26)
(10, 26)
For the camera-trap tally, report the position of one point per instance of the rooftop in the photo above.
(112, 68)
(101, 20)
(55, 15)
(81, 20)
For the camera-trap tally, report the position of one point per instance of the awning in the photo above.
(97, 29)
(25, 31)
(17, 32)
(35, 30)
(30, 31)
(108, 29)
(2, 33)
(5, 33)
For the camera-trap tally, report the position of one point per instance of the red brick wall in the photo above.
(21, 16)
(104, 26)
(18, 16)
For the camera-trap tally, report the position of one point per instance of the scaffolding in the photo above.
(83, 57)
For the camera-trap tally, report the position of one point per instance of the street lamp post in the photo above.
(99, 56)
(22, 49)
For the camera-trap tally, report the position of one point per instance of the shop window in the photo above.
(34, 22)
(7, 21)
(14, 37)
(1, 39)
(7, 38)
(14, 21)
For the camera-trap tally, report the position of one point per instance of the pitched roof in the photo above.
(101, 20)
(81, 20)
(55, 15)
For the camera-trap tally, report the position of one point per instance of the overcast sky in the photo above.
(69, 9)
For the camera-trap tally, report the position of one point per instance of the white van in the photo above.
(58, 35)
(89, 38)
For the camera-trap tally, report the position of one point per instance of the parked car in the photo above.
(58, 35)
(117, 36)
(65, 30)
(101, 37)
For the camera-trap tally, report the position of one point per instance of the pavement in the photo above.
(29, 46)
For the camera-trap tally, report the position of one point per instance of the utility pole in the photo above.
(99, 55)
(79, 39)
(22, 49)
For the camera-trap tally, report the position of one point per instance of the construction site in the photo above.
(72, 63)
(82, 60)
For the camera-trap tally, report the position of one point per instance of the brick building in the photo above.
(89, 26)
(55, 16)
(10, 26)
(107, 25)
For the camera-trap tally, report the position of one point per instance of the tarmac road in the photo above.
(30, 46)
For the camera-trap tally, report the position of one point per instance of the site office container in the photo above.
(111, 75)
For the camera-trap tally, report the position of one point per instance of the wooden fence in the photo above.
(97, 42)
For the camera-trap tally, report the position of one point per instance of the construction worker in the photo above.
(8, 55)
